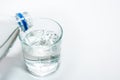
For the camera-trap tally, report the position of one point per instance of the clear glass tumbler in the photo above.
(41, 46)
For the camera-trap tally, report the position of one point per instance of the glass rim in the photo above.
(58, 40)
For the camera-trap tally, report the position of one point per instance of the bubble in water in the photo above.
(34, 37)
(41, 38)
(51, 37)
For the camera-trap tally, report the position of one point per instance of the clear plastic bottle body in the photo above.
(9, 31)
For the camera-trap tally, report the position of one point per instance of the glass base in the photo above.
(43, 69)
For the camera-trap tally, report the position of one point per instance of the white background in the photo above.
(90, 45)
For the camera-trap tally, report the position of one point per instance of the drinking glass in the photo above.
(41, 46)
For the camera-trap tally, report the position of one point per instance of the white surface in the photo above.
(91, 41)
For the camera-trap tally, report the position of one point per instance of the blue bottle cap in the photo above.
(22, 21)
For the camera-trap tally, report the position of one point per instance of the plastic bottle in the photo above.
(10, 28)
